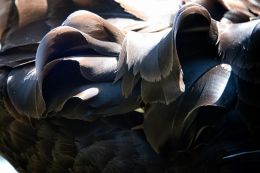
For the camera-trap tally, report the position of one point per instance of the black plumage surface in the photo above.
(122, 86)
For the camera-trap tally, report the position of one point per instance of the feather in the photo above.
(18, 56)
(95, 26)
(214, 7)
(234, 17)
(149, 13)
(146, 55)
(179, 116)
(149, 10)
(30, 12)
(52, 46)
(4, 14)
(238, 47)
(24, 35)
(27, 100)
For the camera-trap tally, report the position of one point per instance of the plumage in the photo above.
(239, 48)
(147, 59)
(214, 7)
(148, 13)
(24, 23)
(30, 12)
(151, 15)
(4, 12)
(72, 90)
